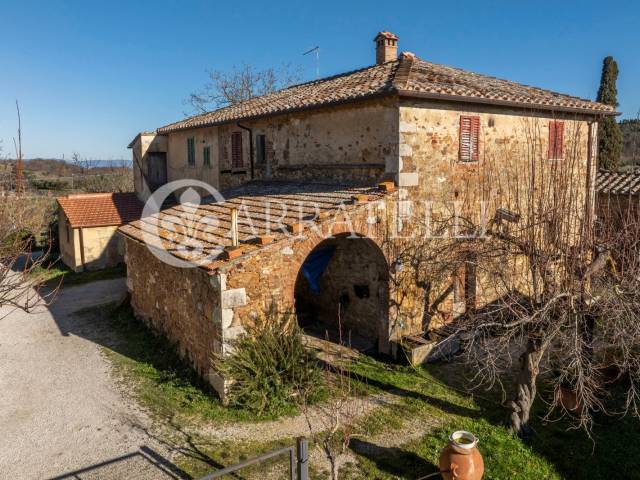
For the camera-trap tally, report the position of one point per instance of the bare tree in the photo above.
(535, 292)
(332, 424)
(239, 84)
(21, 219)
(95, 177)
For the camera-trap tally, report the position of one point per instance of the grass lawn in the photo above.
(60, 274)
(428, 397)
(160, 380)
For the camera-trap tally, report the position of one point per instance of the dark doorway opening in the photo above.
(157, 162)
(342, 293)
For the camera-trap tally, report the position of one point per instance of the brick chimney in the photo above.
(386, 47)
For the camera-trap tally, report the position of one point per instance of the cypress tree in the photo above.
(610, 135)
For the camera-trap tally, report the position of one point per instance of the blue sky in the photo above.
(89, 75)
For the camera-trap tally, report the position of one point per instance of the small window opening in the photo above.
(361, 291)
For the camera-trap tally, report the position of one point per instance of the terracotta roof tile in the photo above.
(618, 183)
(408, 76)
(263, 209)
(101, 209)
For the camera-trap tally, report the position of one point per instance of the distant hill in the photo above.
(631, 142)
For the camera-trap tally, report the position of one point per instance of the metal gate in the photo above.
(298, 461)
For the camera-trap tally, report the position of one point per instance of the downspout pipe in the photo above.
(250, 146)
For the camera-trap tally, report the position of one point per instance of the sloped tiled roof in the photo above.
(406, 76)
(618, 183)
(100, 209)
(199, 233)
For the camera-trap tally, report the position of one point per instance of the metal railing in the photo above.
(298, 461)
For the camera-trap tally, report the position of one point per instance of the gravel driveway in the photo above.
(60, 411)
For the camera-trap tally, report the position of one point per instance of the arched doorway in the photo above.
(344, 281)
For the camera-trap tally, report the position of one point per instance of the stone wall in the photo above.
(417, 143)
(182, 304)
(353, 290)
(269, 275)
(351, 143)
(512, 158)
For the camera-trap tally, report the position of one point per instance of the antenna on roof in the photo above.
(317, 50)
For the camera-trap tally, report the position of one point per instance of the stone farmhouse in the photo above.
(364, 145)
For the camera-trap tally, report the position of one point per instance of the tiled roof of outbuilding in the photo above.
(100, 209)
(406, 76)
(199, 233)
(618, 183)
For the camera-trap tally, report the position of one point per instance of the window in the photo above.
(260, 149)
(206, 156)
(191, 151)
(236, 150)
(469, 138)
(556, 140)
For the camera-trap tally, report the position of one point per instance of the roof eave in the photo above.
(503, 103)
(388, 93)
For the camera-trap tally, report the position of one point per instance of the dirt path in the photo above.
(59, 409)
(289, 427)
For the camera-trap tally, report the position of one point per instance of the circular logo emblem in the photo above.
(179, 238)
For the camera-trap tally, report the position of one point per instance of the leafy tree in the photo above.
(610, 144)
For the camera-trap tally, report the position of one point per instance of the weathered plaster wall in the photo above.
(177, 165)
(143, 144)
(69, 243)
(98, 247)
(103, 247)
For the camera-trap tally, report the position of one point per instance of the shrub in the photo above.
(272, 370)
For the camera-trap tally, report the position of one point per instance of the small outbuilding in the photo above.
(87, 225)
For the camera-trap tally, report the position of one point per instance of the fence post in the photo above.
(302, 451)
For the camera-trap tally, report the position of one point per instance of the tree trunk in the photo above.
(525, 389)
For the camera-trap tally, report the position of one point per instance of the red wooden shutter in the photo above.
(559, 139)
(236, 150)
(469, 138)
(556, 140)
(552, 140)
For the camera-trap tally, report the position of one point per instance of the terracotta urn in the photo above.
(461, 459)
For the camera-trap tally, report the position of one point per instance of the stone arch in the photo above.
(344, 281)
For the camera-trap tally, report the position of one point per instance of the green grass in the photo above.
(160, 379)
(61, 275)
(429, 396)
(554, 452)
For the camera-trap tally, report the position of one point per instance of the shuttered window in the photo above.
(191, 151)
(556, 140)
(206, 156)
(236, 150)
(469, 138)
